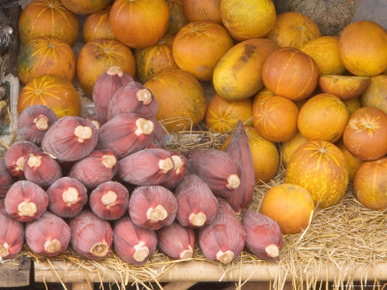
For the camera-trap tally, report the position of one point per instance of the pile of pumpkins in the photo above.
(297, 85)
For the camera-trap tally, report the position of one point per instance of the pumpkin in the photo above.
(177, 17)
(331, 16)
(365, 135)
(325, 52)
(96, 56)
(352, 105)
(222, 116)
(97, 26)
(198, 46)
(181, 99)
(140, 23)
(343, 86)
(83, 7)
(370, 184)
(151, 60)
(238, 74)
(197, 10)
(266, 158)
(375, 94)
(352, 161)
(52, 91)
(323, 117)
(290, 73)
(45, 55)
(287, 148)
(290, 205)
(293, 29)
(363, 48)
(321, 168)
(48, 18)
(275, 118)
(248, 19)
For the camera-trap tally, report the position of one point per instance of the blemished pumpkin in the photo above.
(275, 118)
(177, 18)
(290, 205)
(96, 56)
(52, 91)
(222, 116)
(181, 99)
(248, 19)
(370, 184)
(323, 117)
(321, 168)
(45, 55)
(197, 10)
(293, 29)
(83, 7)
(363, 48)
(140, 23)
(290, 73)
(48, 18)
(151, 60)
(238, 74)
(198, 46)
(97, 26)
(325, 52)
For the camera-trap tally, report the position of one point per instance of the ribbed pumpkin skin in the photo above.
(83, 7)
(97, 56)
(198, 46)
(238, 74)
(97, 26)
(197, 10)
(48, 17)
(321, 168)
(151, 60)
(180, 97)
(52, 91)
(46, 55)
(140, 23)
(290, 73)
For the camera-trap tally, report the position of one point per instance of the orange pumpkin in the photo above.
(275, 118)
(177, 17)
(365, 135)
(343, 86)
(321, 168)
(52, 91)
(97, 56)
(48, 18)
(375, 94)
(325, 52)
(323, 117)
(290, 73)
(352, 105)
(151, 60)
(222, 116)
(198, 46)
(370, 184)
(287, 148)
(290, 205)
(238, 74)
(265, 155)
(97, 26)
(83, 7)
(140, 23)
(293, 29)
(247, 20)
(45, 55)
(363, 48)
(198, 10)
(181, 99)
(352, 161)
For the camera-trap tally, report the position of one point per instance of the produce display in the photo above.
(287, 93)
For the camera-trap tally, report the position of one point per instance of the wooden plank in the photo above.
(195, 271)
(15, 273)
